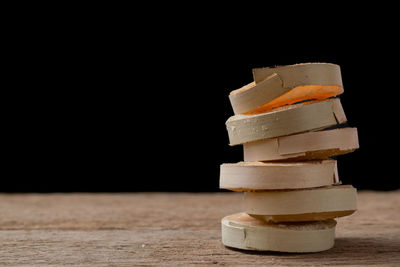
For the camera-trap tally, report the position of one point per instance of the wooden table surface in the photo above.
(173, 229)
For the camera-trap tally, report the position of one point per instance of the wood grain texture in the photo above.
(161, 229)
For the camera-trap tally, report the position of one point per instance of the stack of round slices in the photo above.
(290, 123)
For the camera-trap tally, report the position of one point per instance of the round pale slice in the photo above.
(302, 74)
(245, 232)
(293, 119)
(284, 85)
(252, 176)
(303, 204)
(304, 146)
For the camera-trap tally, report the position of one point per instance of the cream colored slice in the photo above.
(309, 145)
(340, 200)
(302, 74)
(287, 85)
(245, 232)
(304, 217)
(245, 176)
(253, 95)
(285, 121)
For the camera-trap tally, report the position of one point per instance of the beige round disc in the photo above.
(285, 85)
(302, 204)
(287, 120)
(250, 176)
(245, 232)
(309, 145)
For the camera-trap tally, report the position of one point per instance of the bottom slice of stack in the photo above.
(289, 207)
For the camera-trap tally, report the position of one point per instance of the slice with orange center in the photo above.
(285, 85)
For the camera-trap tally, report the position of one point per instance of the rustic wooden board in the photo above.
(161, 229)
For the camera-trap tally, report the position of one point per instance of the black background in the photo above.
(125, 107)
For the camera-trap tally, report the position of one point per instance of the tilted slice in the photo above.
(285, 121)
(302, 204)
(303, 146)
(284, 85)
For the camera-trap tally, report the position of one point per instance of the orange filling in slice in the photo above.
(298, 94)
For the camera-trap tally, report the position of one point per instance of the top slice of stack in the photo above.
(275, 87)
